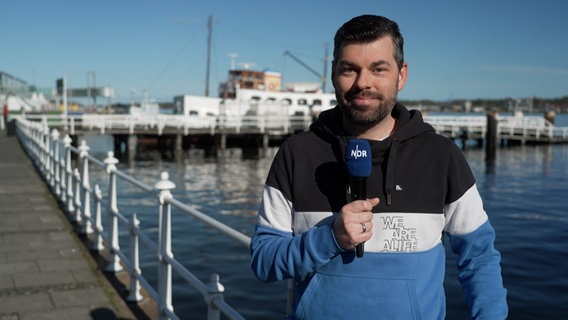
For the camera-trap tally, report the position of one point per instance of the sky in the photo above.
(454, 49)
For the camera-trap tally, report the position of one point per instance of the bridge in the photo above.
(255, 133)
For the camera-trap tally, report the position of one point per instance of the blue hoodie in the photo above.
(426, 189)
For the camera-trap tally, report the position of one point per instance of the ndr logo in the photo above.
(356, 153)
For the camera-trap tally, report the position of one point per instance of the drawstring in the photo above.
(389, 179)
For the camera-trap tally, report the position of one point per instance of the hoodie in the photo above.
(427, 190)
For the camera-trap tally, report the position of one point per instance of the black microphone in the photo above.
(358, 164)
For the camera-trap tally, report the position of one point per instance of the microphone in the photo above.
(358, 164)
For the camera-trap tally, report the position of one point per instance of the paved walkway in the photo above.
(45, 271)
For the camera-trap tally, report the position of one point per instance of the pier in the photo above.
(173, 135)
(45, 271)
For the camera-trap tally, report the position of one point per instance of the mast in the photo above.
(209, 28)
(325, 63)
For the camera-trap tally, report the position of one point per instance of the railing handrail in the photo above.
(74, 190)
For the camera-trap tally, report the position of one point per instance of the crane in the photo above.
(323, 78)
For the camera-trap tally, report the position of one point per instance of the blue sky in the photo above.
(455, 49)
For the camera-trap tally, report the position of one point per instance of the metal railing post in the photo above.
(86, 187)
(164, 246)
(29, 135)
(45, 152)
(69, 173)
(55, 161)
(62, 195)
(214, 292)
(77, 214)
(41, 144)
(98, 242)
(72, 125)
(114, 263)
(35, 135)
(134, 291)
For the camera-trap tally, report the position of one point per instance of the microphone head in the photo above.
(358, 158)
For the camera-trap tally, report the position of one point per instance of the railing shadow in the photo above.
(146, 309)
(103, 314)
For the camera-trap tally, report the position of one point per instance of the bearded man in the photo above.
(420, 190)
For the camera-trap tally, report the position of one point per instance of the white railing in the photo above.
(52, 156)
(454, 126)
(159, 123)
(533, 127)
(508, 126)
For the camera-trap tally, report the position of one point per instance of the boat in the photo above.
(257, 93)
(254, 92)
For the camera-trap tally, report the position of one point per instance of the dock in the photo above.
(45, 270)
(173, 135)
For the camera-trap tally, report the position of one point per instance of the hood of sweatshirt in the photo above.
(329, 127)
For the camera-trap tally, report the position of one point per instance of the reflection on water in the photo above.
(525, 196)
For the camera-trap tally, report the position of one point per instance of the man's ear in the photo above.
(402, 76)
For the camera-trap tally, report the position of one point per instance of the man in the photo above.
(420, 188)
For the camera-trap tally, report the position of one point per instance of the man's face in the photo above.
(367, 80)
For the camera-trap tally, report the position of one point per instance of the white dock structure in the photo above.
(261, 131)
(523, 129)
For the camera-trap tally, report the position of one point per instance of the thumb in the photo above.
(374, 201)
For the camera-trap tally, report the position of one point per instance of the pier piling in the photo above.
(491, 136)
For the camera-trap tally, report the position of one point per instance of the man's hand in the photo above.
(348, 225)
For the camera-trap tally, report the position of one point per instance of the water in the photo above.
(525, 196)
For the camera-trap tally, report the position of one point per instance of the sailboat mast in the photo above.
(209, 27)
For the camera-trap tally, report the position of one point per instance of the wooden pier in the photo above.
(172, 135)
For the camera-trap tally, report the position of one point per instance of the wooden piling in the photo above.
(222, 141)
(265, 144)
(491, 136)
(131, 147)
(120, 143)
(178, 152)
(75, 142)
(464, 137)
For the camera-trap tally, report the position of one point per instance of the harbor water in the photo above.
(525, 194)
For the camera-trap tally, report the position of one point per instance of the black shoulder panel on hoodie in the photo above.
(308, 174)
(414, 170)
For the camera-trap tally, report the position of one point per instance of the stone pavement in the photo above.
(45, 271)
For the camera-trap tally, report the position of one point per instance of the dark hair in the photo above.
(367, 28)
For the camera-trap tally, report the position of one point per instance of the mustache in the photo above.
(354, 94)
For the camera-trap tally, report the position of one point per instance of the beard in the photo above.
(366, 115)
